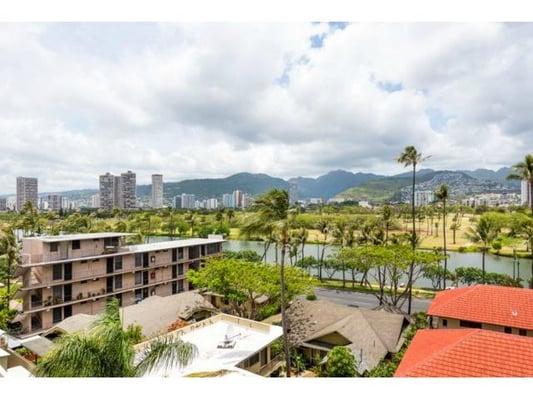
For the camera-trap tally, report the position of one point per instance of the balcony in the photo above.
(50, 302)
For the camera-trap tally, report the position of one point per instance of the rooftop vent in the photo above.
(229, 340)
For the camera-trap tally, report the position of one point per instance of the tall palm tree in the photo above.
(106, 351)
(524, 171)
(271, 214)
(411, 157)
(324, 228)
(442, 195)
(485, 231)
(10, 250)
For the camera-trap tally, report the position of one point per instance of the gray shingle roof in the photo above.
(153, 314)
(372, 334)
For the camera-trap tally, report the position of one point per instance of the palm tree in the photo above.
(386, 218)
(442, 195)
(411, 157)
(323, 227)
(524, 171)
(485, 231)
(272, 215)
(456, 225)
(106, 351)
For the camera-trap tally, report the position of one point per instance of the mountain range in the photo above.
(339, 183)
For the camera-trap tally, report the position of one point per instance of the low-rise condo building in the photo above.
(496, 308)
(226, 346)
(72, 274)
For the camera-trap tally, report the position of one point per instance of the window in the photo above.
(264, 356)
(174, 255)
(469, 324)
(57, 315)
(118, 282)
(76, 245)
(180, 269)
(180, 253)
(180, 286)
(152, 259)
(138, 295)
(522, 332)
(138, 260)
(118, 263)
(445, 323)
(67, 311)
(508, 329)
(57, 272)
(138, 278)
(152, 275)
(53, 247)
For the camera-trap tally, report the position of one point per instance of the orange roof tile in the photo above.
(498, 305)
(467, 353)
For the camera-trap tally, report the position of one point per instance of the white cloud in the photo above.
(195, 100)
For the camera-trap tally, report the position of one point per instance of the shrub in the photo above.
(341, 363)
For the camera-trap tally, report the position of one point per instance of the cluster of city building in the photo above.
(119, 191)
(237, 199)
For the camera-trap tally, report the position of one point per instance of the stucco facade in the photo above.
(64, 276)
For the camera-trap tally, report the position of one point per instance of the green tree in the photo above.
(411, 157)
(271, 214)
(106, 350)
(341, 363)
(10, 252)
(524, 171)
(526, 231)
(455, 225)
(442, 195)
(485, 231)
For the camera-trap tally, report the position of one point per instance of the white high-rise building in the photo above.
(237, 199)
(95, 200)
(157, 191)
(525, 193)
(211, 204)
(188, 201)
(227, 200)
(424, 197)
(293, 192)
(27, 191)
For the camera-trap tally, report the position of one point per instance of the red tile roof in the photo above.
(467, 353)
(490, 304)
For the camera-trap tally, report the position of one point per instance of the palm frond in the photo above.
(167, 352)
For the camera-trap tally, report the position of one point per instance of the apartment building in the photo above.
(52, 202)
(3, 204)
(128, 190)
(526, 194)
(27, 190)
(71, 274)
(157, 191)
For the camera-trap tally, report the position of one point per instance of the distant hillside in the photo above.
(328, 185)
(499, 176)
(253, 184)
(398, 187)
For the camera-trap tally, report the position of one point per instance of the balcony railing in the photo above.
(51, 301)
(39, 283)
(271, 366)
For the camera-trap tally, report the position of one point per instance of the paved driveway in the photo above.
(363, 300)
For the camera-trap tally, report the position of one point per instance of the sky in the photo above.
(209, 100)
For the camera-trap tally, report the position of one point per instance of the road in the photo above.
(363, 300)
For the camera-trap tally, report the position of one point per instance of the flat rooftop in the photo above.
(170, 244)
(249, 337)
(78, 236)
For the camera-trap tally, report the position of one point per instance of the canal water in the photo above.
(493, 263)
